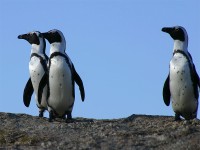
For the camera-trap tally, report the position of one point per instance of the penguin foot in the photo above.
(69, 115)
(41, 114)
(51, 116)
(64, 117)
(194, 115)
(177, 117)
(69, 118)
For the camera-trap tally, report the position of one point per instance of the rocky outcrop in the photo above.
(21, 131)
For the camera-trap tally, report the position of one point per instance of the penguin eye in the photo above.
(177, 29)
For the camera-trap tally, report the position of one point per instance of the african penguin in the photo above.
(60, 78)
(183, 81)
(37, 68)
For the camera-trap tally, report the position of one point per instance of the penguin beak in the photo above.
(167, 30)
(23, 36)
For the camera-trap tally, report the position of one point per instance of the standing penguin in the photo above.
(60, 78)
(37, 69)
(183, 81)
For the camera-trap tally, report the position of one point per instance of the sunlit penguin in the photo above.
(60, 78)
(37, 69)
(183, 81)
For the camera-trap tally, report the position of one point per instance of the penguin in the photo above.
(60, 79)
(183, 81)
(37, 69)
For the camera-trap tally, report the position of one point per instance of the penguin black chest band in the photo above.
(42, 60)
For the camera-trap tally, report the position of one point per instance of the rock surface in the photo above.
(21, 131)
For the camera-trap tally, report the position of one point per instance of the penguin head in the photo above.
(31, 37)
(179, 34)
(35, 38)
(56, 39)
(53, 36)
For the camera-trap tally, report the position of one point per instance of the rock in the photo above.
(21, 131)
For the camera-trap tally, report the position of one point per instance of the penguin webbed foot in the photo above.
(51, 117)
(69, 118)
(177, 117)
(41, 113)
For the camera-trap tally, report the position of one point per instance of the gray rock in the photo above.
(21, 131)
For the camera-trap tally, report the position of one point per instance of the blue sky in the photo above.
(116, 46)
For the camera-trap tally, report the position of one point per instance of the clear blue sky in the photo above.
(116, 46)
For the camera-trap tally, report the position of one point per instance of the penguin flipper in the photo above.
(79, 82)
(196, 82)
(196, 76)
(28, 91)
(166, 92)
(41, 86)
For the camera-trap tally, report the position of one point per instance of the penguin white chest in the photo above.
(37, 71)
(60, 83)
(181, 86)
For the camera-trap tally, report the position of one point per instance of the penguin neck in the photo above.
(180, 45)
(57, 47)
(37, 49)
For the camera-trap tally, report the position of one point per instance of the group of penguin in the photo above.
(53, 79)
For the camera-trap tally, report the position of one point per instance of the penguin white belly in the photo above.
(181, 86)
(36, 72)
(60, 84)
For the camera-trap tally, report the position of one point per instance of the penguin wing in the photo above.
(79, 82)
(196, 76)
(41, 86)
(196, 82)
(166, 92)
(28, 91)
